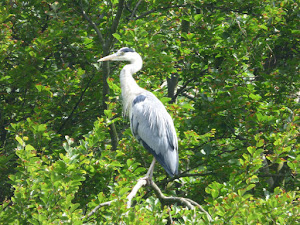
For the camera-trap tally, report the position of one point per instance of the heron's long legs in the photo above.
(151, 169)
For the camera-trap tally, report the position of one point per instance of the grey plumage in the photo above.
(153, 127)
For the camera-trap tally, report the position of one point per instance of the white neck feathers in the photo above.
(129, 87)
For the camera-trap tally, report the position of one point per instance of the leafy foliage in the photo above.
(235, 66)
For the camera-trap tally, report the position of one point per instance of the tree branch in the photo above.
(91, 22)
(97, 208)
(135, 8)
(190, 204)
(184, 201)
(141, 182)
(181, 89)
(76, 105)
(106, 45)
(117, 17)
(165, 200)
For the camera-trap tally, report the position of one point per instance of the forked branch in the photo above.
(166, 200)
(183, 201)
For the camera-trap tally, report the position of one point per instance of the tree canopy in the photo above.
(227, 72)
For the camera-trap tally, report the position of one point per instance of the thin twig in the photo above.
(76, 105)
(203, 210)
(183, 87)
(97, 208)
(135, 8)
(91, 22)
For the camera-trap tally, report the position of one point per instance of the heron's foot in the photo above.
(147, 178)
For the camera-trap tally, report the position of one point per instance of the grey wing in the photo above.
(153, 127)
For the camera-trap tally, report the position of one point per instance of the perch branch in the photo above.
(164, 199)
(189, 203)
(141, 182)
(185, 201)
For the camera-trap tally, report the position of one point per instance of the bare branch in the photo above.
(184, 201)
(188, 95)
(135, 8)
(98, 207)
(92, 23)
(76, 105)
(117, 17)
(141, 182)
(166, 200)
(182, 88)
(203, 210)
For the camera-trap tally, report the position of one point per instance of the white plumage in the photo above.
(150, 122)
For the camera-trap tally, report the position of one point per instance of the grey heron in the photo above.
(150, 122)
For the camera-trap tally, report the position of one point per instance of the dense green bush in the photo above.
(228, 73)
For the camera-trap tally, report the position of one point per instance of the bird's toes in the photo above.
(147, 178)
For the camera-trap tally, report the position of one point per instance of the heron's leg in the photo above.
(151, 169)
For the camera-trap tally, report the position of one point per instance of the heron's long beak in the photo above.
(107, 58)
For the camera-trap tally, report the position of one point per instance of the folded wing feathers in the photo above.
(153, 127)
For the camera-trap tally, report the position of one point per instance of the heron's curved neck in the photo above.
(134, 66)
(129, 87)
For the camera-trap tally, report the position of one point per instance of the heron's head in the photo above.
(124, 54)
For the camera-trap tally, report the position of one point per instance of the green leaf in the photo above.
(117, 36)
(251, 149)
(198, 17)
(20, 140)
(260, 143)
(29, 147)
(255, 96)
(263, 27)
